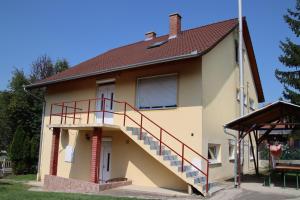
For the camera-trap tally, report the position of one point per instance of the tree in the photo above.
(61, 65)
(16, 151)
(42, 68)
(6, 133)
(290, 77)
(21, 112)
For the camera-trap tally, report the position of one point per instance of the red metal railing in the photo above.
(64, 107)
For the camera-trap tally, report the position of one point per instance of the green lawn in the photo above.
(27, 177)
(11, 190)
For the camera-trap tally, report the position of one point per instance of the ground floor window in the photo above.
(251, 156)
(214, 153)
(231, 149)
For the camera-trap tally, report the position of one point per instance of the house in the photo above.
(151, 112)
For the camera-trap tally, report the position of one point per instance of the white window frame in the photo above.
(251, 156)
(156, 76)
(231, 145)
(215, 153)
(245, 100)
(238, 94)
(251, 104)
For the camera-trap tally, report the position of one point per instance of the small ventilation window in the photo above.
(157, 44)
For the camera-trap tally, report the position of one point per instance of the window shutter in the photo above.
(157, 92)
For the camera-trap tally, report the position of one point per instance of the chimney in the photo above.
(175, 25)
(150, 36)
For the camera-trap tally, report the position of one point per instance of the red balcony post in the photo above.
(54, 151)
(62, 112)
(103, 110)
(51, 113)
(182, 161)
(160, 140)
(141, 127)
(95, 160)
(124, 114)
(88, 114)
(74, 114)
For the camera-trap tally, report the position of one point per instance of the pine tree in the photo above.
(16, 151)
(290, 78)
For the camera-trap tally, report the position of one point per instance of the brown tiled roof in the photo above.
(189, 43)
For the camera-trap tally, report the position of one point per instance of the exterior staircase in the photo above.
(176, 161)
(170, 160)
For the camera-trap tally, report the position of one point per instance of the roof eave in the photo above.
(253, 63)
(125, 67)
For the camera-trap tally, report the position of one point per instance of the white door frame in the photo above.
(105, 159)
(107, 91)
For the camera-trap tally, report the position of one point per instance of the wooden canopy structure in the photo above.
(259, 124)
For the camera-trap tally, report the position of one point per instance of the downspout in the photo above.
(38, 176)
(241, 65)
(235, 155)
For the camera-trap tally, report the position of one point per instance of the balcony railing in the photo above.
(81, 110)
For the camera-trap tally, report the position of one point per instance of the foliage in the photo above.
(16, 151)
(42, 68)
(290, 77)
(61, 65)
(21, 112)
(288, 153)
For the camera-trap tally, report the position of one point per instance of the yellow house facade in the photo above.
(156, 123)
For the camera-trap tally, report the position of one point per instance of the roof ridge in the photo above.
(214, 23)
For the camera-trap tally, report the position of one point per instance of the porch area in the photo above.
(97, 157)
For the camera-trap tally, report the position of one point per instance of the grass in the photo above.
(27, 177)
(11, 190)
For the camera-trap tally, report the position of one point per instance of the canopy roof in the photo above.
(279, 115)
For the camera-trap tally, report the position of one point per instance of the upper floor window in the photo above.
(238, 97)
(236, 51)
(157, 92)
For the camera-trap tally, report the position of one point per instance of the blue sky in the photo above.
(80, 29)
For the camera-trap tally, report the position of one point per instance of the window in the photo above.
(252, 104)
(238, 94)
(213, 153)
(236, 51)
(250, 153)
(245, 100)
(238, 97)
(157, 92)
(231, 150)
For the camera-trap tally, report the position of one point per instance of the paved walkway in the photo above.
(248, 191)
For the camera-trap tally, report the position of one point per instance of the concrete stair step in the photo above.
(200, 179)
(175, 162)
(192, 173)
(170, 157)
(164, 151)
(186, 168)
